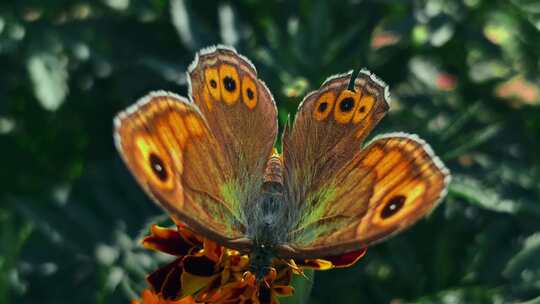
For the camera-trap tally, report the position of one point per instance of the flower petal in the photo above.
(317, 264)
(172, 287)
(168, 241)
(225, 294)
(329, 262)
(199, 265)
(191, 284)
(157, 278)
(346, 260)
(149, 297)
(238, 262)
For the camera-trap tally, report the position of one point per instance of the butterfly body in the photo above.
(267, 221)
(208, 161)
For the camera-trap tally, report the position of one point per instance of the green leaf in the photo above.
(525, 264)
(49, 76)
(474, 192)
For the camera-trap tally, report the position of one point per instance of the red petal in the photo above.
(346, 260)
(329, 262)
(317, 264)
(168, 241)
(172, 287)
(157, 278)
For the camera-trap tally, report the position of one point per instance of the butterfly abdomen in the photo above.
(273, 173)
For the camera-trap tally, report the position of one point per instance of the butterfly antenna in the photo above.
(350, 87)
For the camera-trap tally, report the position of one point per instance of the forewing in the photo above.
(328, 130)
(239, 109)
(170, 149)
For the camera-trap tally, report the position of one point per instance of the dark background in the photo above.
(463, 75)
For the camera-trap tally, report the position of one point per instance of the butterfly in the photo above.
(209, 161)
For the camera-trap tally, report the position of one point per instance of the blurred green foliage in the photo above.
(464, 74)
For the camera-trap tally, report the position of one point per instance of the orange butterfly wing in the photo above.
(203, 160)
(169, 148)
(238, 107)
(347, 197)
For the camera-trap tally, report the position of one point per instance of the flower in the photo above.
(149, 297)
(205, 272)
(194, 267)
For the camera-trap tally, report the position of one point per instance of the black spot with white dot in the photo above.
(347, 104)
(250, 93)
(393, 206)
(323, 106)
(229, 84)
(158, 167)
(213, 83)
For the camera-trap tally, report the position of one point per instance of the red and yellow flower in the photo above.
(205, 272)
